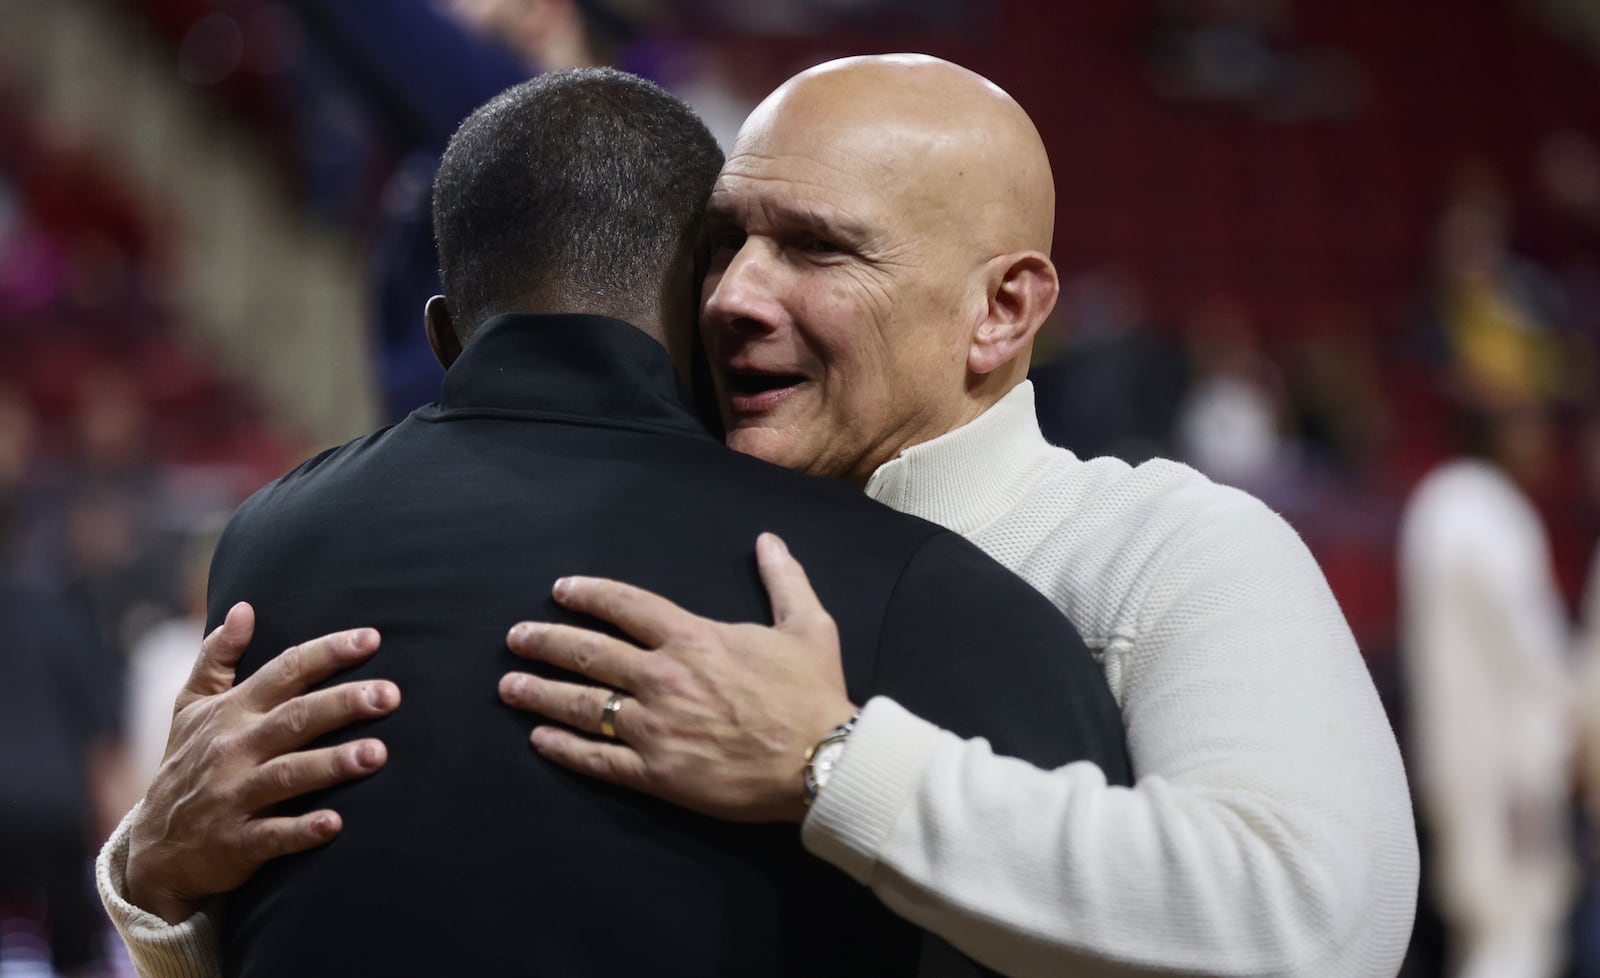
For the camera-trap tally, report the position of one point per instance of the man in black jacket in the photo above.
(567, 212)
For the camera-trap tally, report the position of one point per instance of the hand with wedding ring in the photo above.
(712, 716)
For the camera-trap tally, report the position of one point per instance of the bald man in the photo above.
(880, 267)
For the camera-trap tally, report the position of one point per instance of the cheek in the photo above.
(850, 330)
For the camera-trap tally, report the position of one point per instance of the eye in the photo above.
(821, 246)
(726, 238)
(724, 242)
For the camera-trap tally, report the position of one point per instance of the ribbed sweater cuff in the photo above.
(853, 816)
(158, 949)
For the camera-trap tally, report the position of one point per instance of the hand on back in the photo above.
(713, 716)
(235, 751)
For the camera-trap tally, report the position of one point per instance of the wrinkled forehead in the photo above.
(852, 175)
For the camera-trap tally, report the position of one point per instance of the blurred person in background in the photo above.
(62, 767)
(1494, 316)
(1485, 636)
(95, 521)
(1109, 382)
(17, 435)
(1586, 925)
(1230, 423)
(472, 50)
(160, 662)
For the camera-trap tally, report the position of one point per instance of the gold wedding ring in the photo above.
(608, 716)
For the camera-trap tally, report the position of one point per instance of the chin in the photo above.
(768, 445)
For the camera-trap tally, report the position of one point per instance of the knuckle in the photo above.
(646, 727)
(297, 716)
(596, 761)
(612, 601)
(584, 652)
(697, 633)
(528, 693)
(219, 750)
(282, 778)
(261, 845)
(229, 796)
(576, 706)
(673, 681)
(292, 664)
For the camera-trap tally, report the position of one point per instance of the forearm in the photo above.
(1037, 872)
(157, 949)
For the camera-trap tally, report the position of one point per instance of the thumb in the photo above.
(794, 603)
(213, 671)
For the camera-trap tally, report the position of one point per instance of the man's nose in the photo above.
(743, 295)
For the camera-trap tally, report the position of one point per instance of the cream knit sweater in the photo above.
(1270, 831)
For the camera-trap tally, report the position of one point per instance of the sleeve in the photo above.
(1269, 832)
(157, 949)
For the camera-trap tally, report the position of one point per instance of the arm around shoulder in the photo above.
(1269, 833)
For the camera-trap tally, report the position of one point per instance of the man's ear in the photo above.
(1022, 290)
(441, 329)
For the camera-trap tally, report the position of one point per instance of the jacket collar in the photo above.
(568, 367)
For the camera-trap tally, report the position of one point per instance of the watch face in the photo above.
(826, 759)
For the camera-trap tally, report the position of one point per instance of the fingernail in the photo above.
(562, 586)
(779, 548)
(369, 754)
(522, 631)
(364, 639)
(380, 695)
(513, 683)
(540, 738)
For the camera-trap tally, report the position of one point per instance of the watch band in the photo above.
(811, 776)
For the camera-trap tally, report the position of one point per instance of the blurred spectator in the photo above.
(1567, 239)
(116, 551)
(1495, 315)
(1230, 53)
(1335, 398)
(60, 766)
(17, 427)
(472, 50)
(1485, 634)
(1112, 383)
(160, 663)
(1231, 423)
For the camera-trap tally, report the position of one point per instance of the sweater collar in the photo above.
(568, 366)
(966, 478)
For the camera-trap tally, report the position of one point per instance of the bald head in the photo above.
(945, 135)
(881, 236)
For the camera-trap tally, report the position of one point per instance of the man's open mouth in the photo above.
(751, 382)
(755, 391)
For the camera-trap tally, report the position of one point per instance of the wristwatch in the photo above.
(823, 756)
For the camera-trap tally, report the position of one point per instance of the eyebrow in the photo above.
(721, 210)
